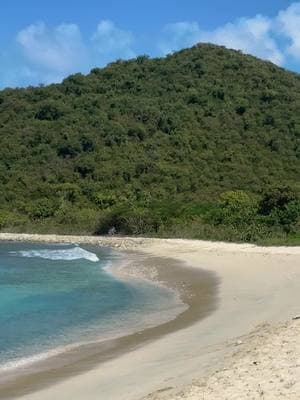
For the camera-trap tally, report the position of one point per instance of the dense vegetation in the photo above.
(204, 143)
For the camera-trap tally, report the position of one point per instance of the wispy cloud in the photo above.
(253, 35)
(47, 54)
(59, 49)
(288, 25)
(51, 53)
(109, 40)
(261, 36)
(179, 35)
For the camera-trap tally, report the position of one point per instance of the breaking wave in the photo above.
(74, 253)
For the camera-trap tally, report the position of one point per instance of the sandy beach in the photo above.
(243, 347)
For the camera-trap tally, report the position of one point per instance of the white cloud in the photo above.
(179, 35)
(59, 49)
(48, 54)
(289, 26)
(109, 40)
(252, 35)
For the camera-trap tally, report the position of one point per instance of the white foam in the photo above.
(74, 253)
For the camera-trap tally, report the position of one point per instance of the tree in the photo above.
(280, 206)
(41, 209)
(142, 140)
(236, 208)
(48, 112)
(276, 198)
(104, 200)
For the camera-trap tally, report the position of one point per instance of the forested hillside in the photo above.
(204, 143)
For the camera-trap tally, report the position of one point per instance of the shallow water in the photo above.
(55, 296)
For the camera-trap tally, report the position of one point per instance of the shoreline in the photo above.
(138, 243)
(259, 285)
(117, 242)
(84, 357)
(124, 270)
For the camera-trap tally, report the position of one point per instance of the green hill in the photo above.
(152, 146)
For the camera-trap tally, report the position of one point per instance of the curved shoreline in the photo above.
(139, 243)
(259, 285)
(196, 288)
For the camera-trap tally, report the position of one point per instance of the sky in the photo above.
(42, 42)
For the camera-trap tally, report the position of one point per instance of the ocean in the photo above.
(55, 297)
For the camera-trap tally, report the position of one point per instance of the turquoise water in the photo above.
(53, 296)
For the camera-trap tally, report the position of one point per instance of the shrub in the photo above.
(41, 209)
(236, 208)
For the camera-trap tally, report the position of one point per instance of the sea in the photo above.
(54, 297)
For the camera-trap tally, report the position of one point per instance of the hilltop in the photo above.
(203, 143)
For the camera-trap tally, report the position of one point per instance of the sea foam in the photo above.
(74, 253)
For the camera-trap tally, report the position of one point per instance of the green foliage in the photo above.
(277, 198)
(9, 219)
(150, 145)
(68, 192)
(79, 220)
(278, 211)
(48, 112)
(41, 209)
(236, 209)
(280, 206)
(104, 200)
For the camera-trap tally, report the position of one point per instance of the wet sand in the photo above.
(257, 286)
(197, 290)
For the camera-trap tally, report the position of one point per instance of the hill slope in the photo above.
(149, 138)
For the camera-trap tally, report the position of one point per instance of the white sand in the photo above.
(265, 365)
(258, 285)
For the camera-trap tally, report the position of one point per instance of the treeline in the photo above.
(204, 143)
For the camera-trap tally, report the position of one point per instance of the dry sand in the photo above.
(265, 365)
(258, 286)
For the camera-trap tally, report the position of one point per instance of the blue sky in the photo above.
(44, 41)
